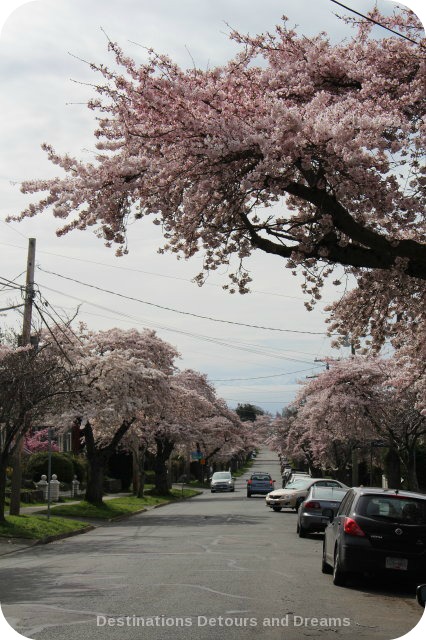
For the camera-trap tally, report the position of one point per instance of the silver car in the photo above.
(222, 481)
(312, 516)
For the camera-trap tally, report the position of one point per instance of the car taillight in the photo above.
(248, 481)
(271, 482)
(312, 505)
(352, 528)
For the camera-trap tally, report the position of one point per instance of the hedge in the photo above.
(62, 466)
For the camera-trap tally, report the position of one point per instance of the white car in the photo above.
(222, 481)
(296, 491)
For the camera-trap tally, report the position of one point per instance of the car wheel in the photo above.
(233, 489)
(301, 531)
(212, 491)
(339, 576)
(325, 568)
(248, 495)
(277, 508)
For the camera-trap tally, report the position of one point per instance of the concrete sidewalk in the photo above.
(43, 507)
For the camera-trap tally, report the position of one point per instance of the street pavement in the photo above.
(215, 566)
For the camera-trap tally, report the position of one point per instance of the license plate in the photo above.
(397, 563)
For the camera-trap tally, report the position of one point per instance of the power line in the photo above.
(253, 348)
(275, 375)
(379, 24)
(185, 313)
(151, 273)
(16, 306)
(10, 284)
(9, 226)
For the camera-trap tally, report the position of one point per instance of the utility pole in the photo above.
(15, 498)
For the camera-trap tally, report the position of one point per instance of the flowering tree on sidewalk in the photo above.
(123, 376)
(32, 381)
(189, 401)
(353, 404)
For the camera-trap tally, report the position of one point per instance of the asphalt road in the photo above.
(216, 566)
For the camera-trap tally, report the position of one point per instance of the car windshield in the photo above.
(393, 507)
(222, 475)
(300, 483)
(327, 493)
(260, 476)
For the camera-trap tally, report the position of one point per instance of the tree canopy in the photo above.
(298, 147)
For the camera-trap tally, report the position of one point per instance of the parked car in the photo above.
(289, 475)
(296, 491)
(379, 531)
(222, 481)
(421, 594)
(259, 483)
(312, 516)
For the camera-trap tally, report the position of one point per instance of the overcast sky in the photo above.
(41, 100)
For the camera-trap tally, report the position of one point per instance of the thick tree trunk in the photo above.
(141, 472)
(393, 469)
(135, 471)
(3, 467)
(410, 471)
(98, 458)
(95, 479)
(164, 450)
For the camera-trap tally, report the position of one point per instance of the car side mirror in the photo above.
(421, 594)
(328, 513)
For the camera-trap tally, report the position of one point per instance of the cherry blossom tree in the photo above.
(298, 147)
(123, 378)
(39, 441)
(353, 404)
(31, 382)
(221, 436)
(190, 400)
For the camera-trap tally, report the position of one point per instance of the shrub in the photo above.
(62, 466)
(80, 465)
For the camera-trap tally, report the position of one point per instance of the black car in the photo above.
(375, 530)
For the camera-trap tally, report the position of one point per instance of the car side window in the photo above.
(346, 504)
(322, 483)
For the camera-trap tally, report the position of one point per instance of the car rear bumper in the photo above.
(313, 522)
(363, 559)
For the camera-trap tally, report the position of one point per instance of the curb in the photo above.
(61, 536)
(33, 543)
(124, 516)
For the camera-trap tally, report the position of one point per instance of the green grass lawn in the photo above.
(243, 469)
(37, 527)
(119, 506)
